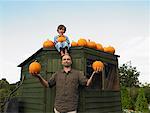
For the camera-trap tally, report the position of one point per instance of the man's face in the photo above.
(66, 61)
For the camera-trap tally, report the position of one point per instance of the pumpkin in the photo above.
(109, 49)
(91, 44)
(34, 67)
(82, 42)
(61, 39)
(99, 47)
(48, 44)
(74, 44)
(97, 66)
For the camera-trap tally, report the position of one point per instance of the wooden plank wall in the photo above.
(98, 101)
(32, 94)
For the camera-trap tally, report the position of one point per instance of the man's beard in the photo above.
(67, 66)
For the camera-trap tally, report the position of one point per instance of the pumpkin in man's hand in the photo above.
(34, 68)
(48, 43)
(97, 66)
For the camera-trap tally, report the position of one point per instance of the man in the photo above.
(67, 81)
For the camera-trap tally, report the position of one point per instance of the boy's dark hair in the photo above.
(61, 27)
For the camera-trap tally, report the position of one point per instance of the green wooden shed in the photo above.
(102, 96)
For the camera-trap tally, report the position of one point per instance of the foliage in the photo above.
(147, 94)
(141, 102)
(128, 75)
(125, 98)
(4, 84)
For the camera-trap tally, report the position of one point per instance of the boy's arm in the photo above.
(67, 39)
(55, 40)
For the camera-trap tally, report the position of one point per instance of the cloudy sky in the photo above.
(25, 25)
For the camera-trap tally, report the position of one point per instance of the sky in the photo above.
(123, 24)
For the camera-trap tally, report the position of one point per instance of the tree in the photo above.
(146, 87)
(125, 98)
(128, 75)
(4, 84)
(4, 91)
(141, 102)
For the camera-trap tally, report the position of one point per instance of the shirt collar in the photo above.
(65, 72)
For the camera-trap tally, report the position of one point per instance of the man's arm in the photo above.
(42, 80)
(90, 79)
(51, 82)
(84, 81)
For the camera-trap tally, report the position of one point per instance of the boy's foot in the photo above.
(62, 53)
(66, 52)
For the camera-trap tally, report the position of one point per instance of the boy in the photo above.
(62, 46)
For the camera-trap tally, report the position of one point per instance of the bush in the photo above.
(125, 98)
(141, 102)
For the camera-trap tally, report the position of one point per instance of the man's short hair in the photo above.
(65, 55)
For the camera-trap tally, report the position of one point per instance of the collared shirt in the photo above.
(66, 98)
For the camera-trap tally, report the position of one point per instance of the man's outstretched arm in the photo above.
(90, 79)
(41, 79)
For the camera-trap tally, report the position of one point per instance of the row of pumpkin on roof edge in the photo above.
(82, 42)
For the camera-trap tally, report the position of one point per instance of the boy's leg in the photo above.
(58, 46)
(66, 50)
(66, 47)
(62, 52)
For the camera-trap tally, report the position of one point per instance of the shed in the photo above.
(102, 96)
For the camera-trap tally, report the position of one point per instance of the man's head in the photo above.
(66, 60)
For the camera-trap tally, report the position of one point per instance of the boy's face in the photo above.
(61, 31)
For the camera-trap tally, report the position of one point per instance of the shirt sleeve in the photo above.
(52, 80)
(55, 39)
(67, 40)
(82, 78)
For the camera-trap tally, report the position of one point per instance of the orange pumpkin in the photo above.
(74, 44)
(48, 44)
(82, 42)
(34, 67)
(99, 47)
(109, 49)
(97, 66)
(61, 39)
(91, 44)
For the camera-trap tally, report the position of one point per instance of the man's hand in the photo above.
(35, 74)
(97, 71)
(42, 80)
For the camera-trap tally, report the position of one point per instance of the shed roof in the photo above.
(54, 49)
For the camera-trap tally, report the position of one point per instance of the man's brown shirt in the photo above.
(67, 89)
